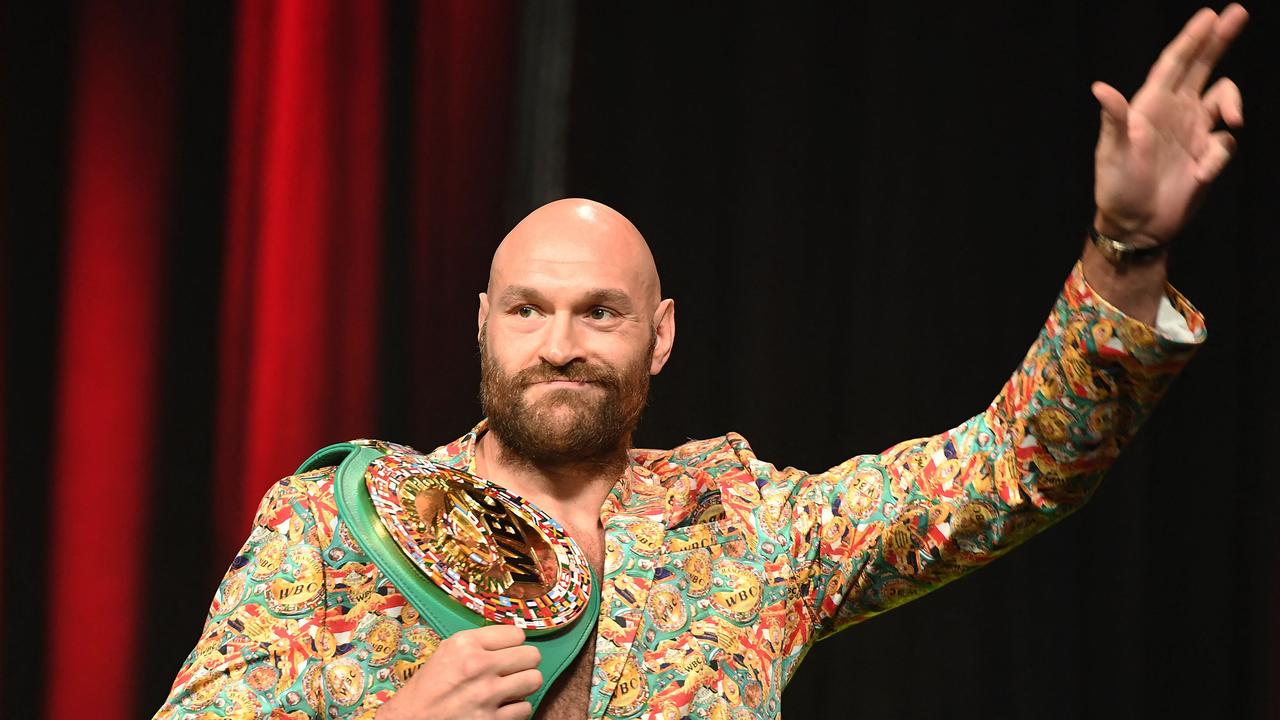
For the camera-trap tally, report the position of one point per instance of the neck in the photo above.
(576, 489)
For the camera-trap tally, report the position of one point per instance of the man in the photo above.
(719, 570)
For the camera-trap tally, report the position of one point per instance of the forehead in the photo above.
(552, 272)
(575, 251)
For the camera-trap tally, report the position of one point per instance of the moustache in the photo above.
(573, 372)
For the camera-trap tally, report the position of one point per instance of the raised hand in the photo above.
(481, 674)
(1158, 153)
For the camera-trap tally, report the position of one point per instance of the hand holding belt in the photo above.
(465, 552)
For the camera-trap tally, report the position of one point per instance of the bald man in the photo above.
(716, 570)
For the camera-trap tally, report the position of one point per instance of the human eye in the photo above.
(526, 311)
(600, 313)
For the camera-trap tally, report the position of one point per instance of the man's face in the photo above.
(570, 331)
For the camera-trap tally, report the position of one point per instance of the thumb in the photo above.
(1115, 113)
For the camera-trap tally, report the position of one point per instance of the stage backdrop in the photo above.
(235, 233)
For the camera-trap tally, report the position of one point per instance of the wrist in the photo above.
(1134, 289)
(1127, 233)
(1124, 246)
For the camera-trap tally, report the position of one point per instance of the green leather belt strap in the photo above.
(444, 614)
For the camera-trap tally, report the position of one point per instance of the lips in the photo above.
(561, 384)
(530, 382)
(570, 375)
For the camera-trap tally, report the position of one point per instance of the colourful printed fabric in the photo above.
(720, 568)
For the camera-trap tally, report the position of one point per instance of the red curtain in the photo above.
(116, 226)
(464, 72)
(300, 297)
(306, 236)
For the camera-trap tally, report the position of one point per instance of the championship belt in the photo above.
(465, 552)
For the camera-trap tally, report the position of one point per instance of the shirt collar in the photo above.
(639, 491)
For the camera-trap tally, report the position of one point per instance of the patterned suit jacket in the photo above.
(720, 569)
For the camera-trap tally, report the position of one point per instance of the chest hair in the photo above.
(567, 698)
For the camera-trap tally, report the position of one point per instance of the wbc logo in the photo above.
(481, 538)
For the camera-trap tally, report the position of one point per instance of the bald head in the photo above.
(581, 237)
(575, 281)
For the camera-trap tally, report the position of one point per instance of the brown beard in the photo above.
(599, 425)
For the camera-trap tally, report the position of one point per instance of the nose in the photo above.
(561, 345)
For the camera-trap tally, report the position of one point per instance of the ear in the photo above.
(664, 324)
(483, 315)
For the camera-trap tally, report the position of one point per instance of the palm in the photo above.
(1158, 153)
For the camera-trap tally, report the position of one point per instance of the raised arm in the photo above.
(1157, 155)
(927, 511)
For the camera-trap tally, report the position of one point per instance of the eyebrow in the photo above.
(594, 296)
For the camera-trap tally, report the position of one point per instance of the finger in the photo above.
(515, 711)
(1175, 60)
(518, 685)
(1221, 35)
(1210, 164)
(1223, 102)
(1115, 112)
(495, 637)
(516, 659)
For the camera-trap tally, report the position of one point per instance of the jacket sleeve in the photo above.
(257, 653)
(880, 530)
